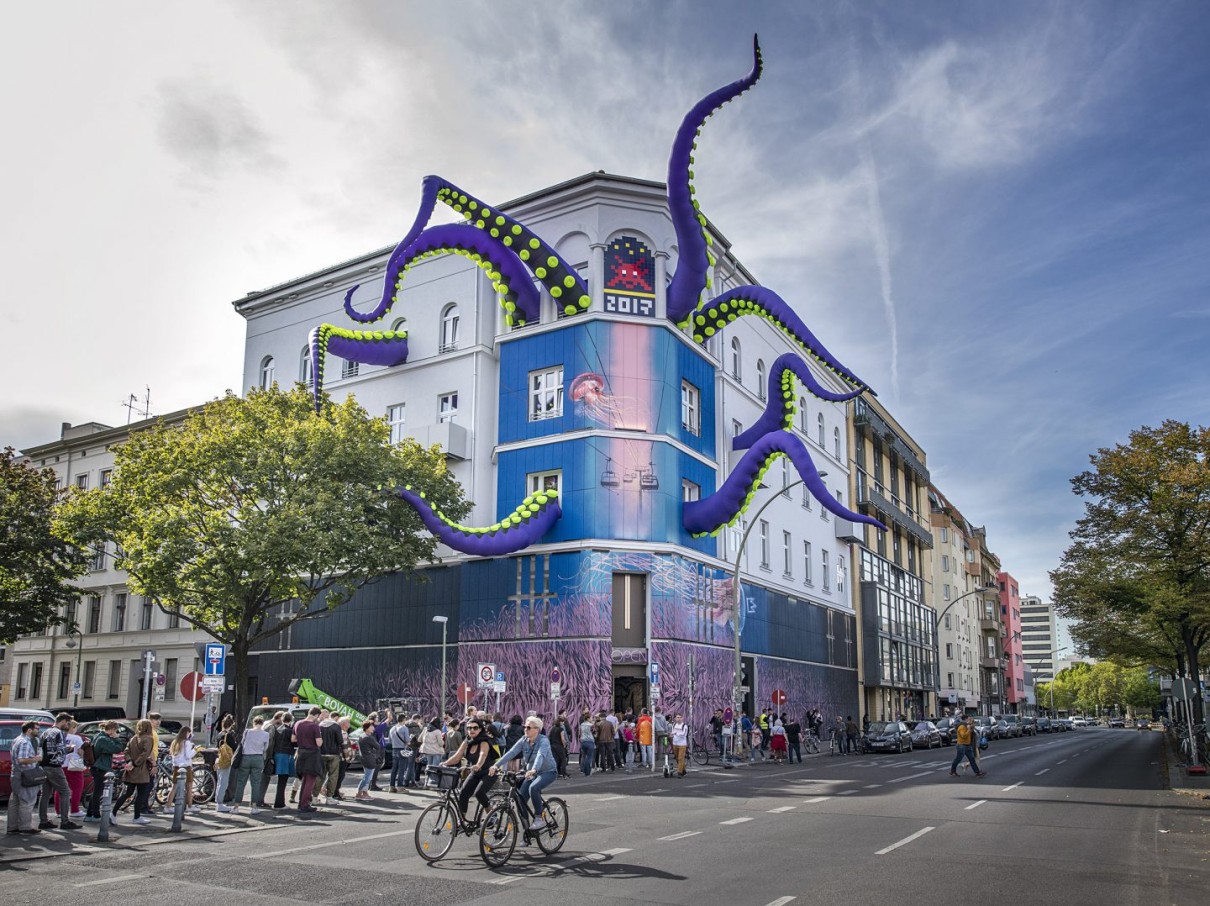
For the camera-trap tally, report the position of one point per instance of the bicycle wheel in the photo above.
(435, 831)
(204, 783)
(701, 755)
(163, 787)
(552, 837)
(498, 835)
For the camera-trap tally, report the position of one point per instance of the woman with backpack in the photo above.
(75, 768)
(432, 744)
(227, 744)
(371, 759)
(139, 765)
(104, 747)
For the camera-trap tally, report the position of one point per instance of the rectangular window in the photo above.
(690, 491)
(806, 562)
(397, 419)
(115, 680)
(544, 481)
(949, 680)
(96, 563)
(105, 476)
(22, 676)
(145, 615)
(94, 614)
(947, 621)
(64, 689)
(35, 681)
(174, 617)
(447, 407)
(785, 478)
(949, 651)
(945, 592)
(90, 678)
(764, 544)
(787, 567)
(945, 563)
(736, 428)
(691, 413)
(945, 535)
(825, 568)
(349, 369)
(82, 481)
(546, 393)
(119, 612)
(806, 497)
(170, 679)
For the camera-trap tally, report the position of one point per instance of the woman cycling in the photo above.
(478, 750)
(539, 764)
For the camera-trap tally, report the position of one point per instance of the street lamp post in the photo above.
(444, 621)
(1051, 685)
(78, 643)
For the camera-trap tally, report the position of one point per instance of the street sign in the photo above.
(728, 715)
(499, 688)
(465, 694)
(655, 673)
(779, 697)
(744, 690)
(499, 676)
(655, 690)
(191, 687)
(555, 676)
(555, 689)
(212, 684)
(485, 674)
(160, 679)
(75, 688)
(216, 659)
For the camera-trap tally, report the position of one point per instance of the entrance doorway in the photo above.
(629, 690)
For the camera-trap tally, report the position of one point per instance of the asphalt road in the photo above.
(1068, 819)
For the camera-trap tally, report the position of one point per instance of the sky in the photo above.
(996, 214)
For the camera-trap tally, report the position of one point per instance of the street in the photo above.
(1072, 818)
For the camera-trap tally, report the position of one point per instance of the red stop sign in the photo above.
(465, 694)
(779, 697)
(191, 687)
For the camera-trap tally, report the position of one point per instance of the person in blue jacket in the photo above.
(538, 764)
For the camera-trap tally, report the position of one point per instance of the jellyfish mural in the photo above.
(593, 400)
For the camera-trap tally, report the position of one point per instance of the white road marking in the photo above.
(975, 805)
(681, 836)
(108, 880)
(611, 798)
(784, 808)
(904, 841)
(871, 786)
(846, 793)
(507, 880)
(735, 821)
(346, 842)
(660, 790)
(1041, 772)
(1064, 761)
(816, 799)
(1013, 787)
(1076, 755)
(909, 777)
(781, 901)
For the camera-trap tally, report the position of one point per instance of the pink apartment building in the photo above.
(1014, 663)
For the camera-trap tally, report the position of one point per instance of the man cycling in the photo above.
(538, 764)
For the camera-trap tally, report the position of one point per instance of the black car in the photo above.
(1029, 726)
(926, 736)
(1043, 724)
(888, 736)
(948, 728)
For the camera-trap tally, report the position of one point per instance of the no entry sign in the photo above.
(191, 687)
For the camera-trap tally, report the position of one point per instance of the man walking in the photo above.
(646, 735)
(680, 743)
(54, 751)
(331, 744)
(968, 738)
(588, 745)
(308, 761)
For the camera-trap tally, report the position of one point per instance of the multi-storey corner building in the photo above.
(629, 418)
(1039, 637)
(984, 566)
(958, 605)
(898, 641)
(1014, 662)
(99, 663)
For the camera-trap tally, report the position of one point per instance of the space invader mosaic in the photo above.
(629, 277)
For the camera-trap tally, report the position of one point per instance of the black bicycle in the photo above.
(442, 822)
(498, 831)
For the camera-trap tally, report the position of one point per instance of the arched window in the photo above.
(819, 423)
(760, 379)
(304, 367)
(400, 324)
(802, 414)
(449, 328)
(266, 372)
(737, 360)
(836, 442)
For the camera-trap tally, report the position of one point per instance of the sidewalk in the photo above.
(1177, 778)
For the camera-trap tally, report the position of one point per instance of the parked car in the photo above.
(888, 736)
(1068, 723)
(24, 714)
(1078, 721)
(947, 727)
(1029, 726)
(926, 736)
(1117, 722)
(87, 715)
(125, 731)
(1012, 725)
(10, 730)
(1043, 725)
(986, 727)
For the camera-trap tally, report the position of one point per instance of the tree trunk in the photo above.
(239, 653)
(1195, 671)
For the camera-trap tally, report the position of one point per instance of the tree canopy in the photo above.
(257, 513)
(1136, 578)
(37, 565)
(1103, 686)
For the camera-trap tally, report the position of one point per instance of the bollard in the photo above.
(106, 807)
(178, 802)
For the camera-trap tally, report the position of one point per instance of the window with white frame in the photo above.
(806, 497)
(785, 477)
(267, 369)
(400, 325)
(349, 369)
(825, 570)
(145, 614)
(690, 491)
(447, 407)
(546, 393)
(945, 592)
(544, 481)
(945, 535)
(806, 562)
(839, 572)
(819, 425)
(449, 328)
(737, 360)
(787, 565)
(306, 377)
(397, 421)
(691, 408)
(82, 481)
(105, 476)
(802, 414)
(945, 562)
(761, 389)
(119, 612)
(115, 680)
(94, 614)
(736, 428)
(836, 444)
(764, 544)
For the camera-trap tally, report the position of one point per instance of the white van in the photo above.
(24, 714)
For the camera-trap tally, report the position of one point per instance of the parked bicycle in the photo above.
(204, 783)
(498, 832)
(811, 743)
(441, 823)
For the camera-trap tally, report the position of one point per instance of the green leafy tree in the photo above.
(1140, 692)
(1136, 578)
(256, 514)
(37, 565)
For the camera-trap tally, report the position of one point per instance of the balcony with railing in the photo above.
(872, 503)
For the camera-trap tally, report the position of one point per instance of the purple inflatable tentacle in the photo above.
(373, 347)
(396, 263)
(693, 261)
(317, 341)
(760, 300)
(505, 540)
(779, 413)
(702, 517)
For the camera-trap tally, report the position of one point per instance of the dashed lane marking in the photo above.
(113, 880)
(784, 808)
(975, 805)
(736, 820)
(1064, 761)
(816, 799)
(910, 777)
(781, 901)
(609, 798)
(871, 786)
(846, 792)
(1041, 772)
(681, 836)
(905, 841)
(1013, 787)
(346, 842)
